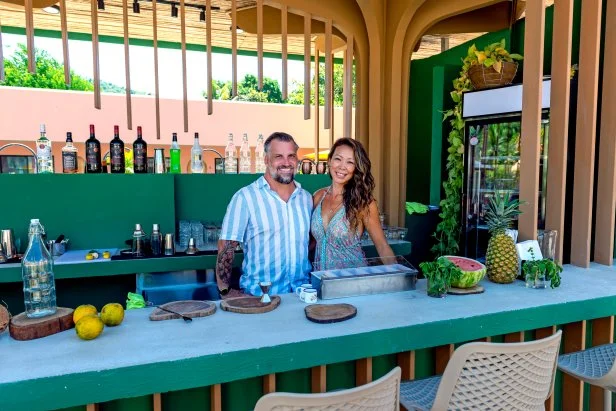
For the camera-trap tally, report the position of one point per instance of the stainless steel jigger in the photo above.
(265, 286)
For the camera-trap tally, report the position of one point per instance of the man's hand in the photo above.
(224, 263)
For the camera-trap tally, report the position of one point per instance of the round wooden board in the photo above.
(23, 328)
(4, 318)
(477, 289)
(249, 305)
(330, 313)
(188, 308)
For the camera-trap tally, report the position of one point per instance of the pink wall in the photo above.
(23, 109)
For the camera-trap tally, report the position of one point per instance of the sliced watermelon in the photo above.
(472, 271)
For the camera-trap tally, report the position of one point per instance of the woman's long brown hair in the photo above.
(357, 194)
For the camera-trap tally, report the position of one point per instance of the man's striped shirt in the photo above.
(274, 236)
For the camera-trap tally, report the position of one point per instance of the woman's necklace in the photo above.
(335, 206)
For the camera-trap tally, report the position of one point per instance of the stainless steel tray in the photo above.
(373, 278)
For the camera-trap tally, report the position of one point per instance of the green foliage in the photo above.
(501, 212)
(296, 95)
(247, 90)
(440, 274)
(49, 72)
(448, 230)
(535, 268)
(416, 208)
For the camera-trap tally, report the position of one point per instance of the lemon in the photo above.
(82, 310)
(112, 314)
(89, 327)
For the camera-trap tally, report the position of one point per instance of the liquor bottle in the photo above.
(230, 157)
(245, 155)
(196, 157)
(176, 166)
(260, 155)
(116, 149)
(140, 154)
(93, 153)
(69, 155)
(44, 161)
(37, 275)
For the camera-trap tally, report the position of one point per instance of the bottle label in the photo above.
(69, 162)
(117, 157)
(140, 159)
(43, 150)
(175, 161)
(93, 157)
(197, 157)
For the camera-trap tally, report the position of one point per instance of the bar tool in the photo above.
(2, 255)
(156, 241)
(185, 318)
(169, 244)
(138, 241)
(265, 286)
(191, 250)
(8, 243)
(159, 161)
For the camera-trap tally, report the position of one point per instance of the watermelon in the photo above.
(472, 271)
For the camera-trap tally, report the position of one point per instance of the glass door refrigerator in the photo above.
(492, 159)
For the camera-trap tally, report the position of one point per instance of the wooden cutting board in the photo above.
(4, 318)
(330, 313)
(477, 289)
(188, 308)
(249, 305)
(23, 328)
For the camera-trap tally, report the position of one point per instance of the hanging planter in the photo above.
(486, 77)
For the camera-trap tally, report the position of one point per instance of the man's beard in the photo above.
(280, 179)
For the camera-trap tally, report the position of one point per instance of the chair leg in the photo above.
(607, 400)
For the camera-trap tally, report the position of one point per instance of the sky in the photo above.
(142, 65)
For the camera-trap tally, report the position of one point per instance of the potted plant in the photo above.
(537, 272)
(440, 273)
(491, 67)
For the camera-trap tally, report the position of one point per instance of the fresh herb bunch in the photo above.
(448, 230)
(545, 266)
(440, 274)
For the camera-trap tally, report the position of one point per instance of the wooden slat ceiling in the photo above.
(140, 25)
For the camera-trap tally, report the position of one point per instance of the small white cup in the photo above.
(309, 296)
(301, 288)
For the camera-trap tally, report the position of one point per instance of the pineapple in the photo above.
(502, 257)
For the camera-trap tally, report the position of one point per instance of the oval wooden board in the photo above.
(23, 328)
(330, 313)
(188, 308)
(249, 305)
(477, 289)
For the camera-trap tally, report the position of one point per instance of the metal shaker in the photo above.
(156, 241)
(169, 244)
(8, 243)
(159, 161)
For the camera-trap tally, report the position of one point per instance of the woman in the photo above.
(344, 210)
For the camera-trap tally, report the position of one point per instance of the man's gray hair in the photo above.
(279, 136)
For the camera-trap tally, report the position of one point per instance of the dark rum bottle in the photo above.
(116, 151)
(140, 154)
(93, 153)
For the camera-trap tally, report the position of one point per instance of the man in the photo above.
(271, 218)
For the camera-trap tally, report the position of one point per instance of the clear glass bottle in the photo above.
(69, 155)
(43, 153)
(138, 242)
(175, 166)
(37, 274)
(260, 156)
(245, 157)
(196, 157)
(230, 157)
(156, 241)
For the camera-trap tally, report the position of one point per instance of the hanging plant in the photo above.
(448, 230)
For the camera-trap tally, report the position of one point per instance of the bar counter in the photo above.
(142, 357)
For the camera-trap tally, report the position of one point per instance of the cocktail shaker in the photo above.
(159, 161)
(8, 243)
(169, 244)
(156, 241)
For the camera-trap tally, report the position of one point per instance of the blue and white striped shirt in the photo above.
(274, 236)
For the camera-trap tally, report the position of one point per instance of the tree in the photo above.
(247, 90)
(296, 96)
(49, 72)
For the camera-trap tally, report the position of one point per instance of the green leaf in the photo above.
(416, 208)
(488, 62)
(516, 56)
(455, 96)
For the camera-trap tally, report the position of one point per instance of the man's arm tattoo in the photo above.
(224, 261)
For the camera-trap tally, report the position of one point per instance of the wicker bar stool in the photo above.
(479, 376)
(594, 366)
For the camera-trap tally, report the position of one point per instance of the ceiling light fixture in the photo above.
(101, 4)
(238, 30)
(202, 15)
(52, 9)
(136, 8)
(174, 10)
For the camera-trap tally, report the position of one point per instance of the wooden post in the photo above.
(307, 30)
(157, 403)
(30, 35)
(442, 355)
(514, 337)
(95, 56)
(233, 48)
(269, 383)
(328, 76)
(260, 44)
(606, 179)
(319, 379)
(348, 88)
(184, 79)
(559, 120)
(156, 80)
(602, 333)
(363, 371)
(531, 118)
(574, 339)
(285, 80)
(208, 38)
(129, 106)
(317, 96)
(406, 361)
(65, 53)
(584, 176)
(215, 398)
